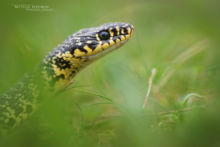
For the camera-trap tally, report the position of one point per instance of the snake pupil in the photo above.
(104, 35)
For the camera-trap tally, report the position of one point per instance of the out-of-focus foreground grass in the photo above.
(178, 40)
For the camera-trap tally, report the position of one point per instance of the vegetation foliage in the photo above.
(160, 89)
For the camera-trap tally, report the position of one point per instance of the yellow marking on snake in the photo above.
(111, 42)
(122, 38)
(118, 30)
(106, 45)
(89, 50)
(78, 53)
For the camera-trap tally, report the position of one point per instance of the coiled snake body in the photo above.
(58, 69)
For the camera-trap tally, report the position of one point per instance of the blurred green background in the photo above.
(179, 40)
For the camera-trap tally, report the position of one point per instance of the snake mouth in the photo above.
(106, 51)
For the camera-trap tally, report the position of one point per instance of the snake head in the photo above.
(83, 47)
(92, 43)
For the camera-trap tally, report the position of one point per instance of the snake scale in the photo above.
(57, 70)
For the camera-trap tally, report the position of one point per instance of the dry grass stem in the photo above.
(149, 87)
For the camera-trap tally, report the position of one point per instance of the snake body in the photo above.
(57, 70)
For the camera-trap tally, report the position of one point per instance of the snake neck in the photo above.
(60, 67)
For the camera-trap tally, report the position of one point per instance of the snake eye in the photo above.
(104, 35)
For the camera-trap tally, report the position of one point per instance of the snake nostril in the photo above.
(125, 31)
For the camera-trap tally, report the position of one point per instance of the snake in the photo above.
(57, 69)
